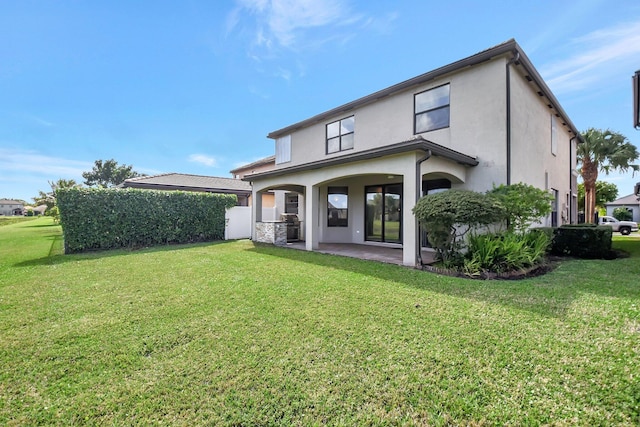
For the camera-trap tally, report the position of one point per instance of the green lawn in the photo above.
(234, 333)
(8, 220)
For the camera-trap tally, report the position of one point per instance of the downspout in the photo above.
(571, 189)
(512, 61)
(419, 162)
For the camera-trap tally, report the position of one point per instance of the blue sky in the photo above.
(195, 86)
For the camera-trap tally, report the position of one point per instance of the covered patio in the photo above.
(372, 194)
(386, 254)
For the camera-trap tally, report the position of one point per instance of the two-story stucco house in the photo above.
(10, 207)
(358, 169)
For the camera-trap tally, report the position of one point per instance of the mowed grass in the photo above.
(8, 220)
(234, 333)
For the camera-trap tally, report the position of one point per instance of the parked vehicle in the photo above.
(624, 227)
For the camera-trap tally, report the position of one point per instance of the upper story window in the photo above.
(340, 135)
(432, 109)
(283, 149)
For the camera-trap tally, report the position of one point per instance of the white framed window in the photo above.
(283, 149)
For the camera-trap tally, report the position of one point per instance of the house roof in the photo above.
(417, 143)
(39, 208)
(510, 47)
(186, 182)
(631, 199)
(10, 202)
(261, 162)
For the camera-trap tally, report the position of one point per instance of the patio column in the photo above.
(409, 224)
(256, 211)
(311, 217)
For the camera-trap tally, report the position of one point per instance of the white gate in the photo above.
(238, 223)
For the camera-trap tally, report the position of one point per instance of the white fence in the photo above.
(238, 221)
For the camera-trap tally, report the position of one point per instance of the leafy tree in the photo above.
(44, 199)
(602, 151)
(523, 204)
(605, 192)
(108, 174)
(49, 198)
(622, 214)
(447, 216)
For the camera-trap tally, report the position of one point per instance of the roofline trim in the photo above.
(416, 144)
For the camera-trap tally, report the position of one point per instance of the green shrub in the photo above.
(54, 212)
(503, 252)
(622, 214)
(523, 203)
(583, 241)
(550, 232)
(100, 218)
(444, 214)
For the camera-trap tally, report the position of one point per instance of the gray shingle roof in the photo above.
(631, 199)
(181, 181)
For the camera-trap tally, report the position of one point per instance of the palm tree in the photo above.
(602, 151)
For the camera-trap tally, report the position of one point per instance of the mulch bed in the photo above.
(537, 270)
(548, 265)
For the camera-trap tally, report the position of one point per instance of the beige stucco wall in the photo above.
(532, 159)
(476, 128)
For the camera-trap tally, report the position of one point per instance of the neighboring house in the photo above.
(262, 165)
(630, 202)
(37, 210)
(186, 182)
(10, 207)
(357, 170)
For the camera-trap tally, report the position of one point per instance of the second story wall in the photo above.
(543, 151)
(475, 126)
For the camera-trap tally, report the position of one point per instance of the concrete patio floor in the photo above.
(386, 254)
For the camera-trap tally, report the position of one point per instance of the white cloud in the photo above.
(34, 163)
(287, 16)
(203, 159)
(284, 23)
(600, 55)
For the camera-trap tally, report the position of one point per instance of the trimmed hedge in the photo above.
(107, 218)
(583, 241)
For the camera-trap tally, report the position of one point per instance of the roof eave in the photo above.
(510, 46)
(415, 144)
(501, 49)
(168, 187)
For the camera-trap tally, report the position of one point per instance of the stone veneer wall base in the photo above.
(272, 232)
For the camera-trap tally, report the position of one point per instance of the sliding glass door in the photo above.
(383, 216)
